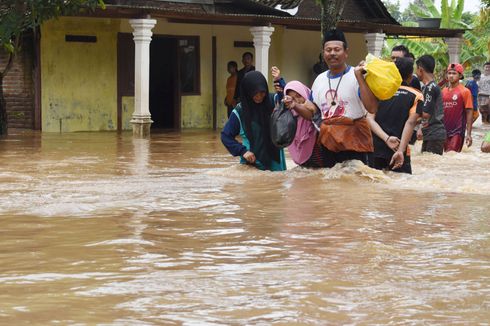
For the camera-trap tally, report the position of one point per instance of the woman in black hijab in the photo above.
(251, 120)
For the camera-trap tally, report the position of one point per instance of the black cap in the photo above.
(334, 35)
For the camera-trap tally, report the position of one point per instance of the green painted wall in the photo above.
(79, 84)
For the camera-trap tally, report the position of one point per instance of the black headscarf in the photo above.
(256, 118)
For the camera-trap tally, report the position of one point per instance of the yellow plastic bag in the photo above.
(382, 77)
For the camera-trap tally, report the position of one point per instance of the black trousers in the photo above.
(381, 163)
(330, 158)
(433, 146)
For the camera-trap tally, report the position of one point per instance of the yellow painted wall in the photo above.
(197, 110)
(78, 80)
(127, 103)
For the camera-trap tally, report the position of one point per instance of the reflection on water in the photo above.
(102, 228)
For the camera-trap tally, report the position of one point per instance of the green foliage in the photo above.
(394, 10)
(476, 40)
(18, 16)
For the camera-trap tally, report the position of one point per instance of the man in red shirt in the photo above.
(458, 110)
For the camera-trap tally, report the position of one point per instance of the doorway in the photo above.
(164, 97)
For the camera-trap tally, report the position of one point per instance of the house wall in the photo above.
(79, 80)
(79, 85)
(197, 110)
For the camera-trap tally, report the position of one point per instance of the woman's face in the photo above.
(296, 97)
(258, 97)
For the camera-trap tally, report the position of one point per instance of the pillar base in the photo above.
(141, 127)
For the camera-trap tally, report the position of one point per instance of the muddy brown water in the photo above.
(105, 229)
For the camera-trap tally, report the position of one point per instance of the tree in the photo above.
(18, 17)
(331, 12)
(394, 10)
(476, 40)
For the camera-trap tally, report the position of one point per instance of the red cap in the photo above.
(457, 67)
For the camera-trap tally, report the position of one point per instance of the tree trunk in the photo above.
(331, 13)
(3, 110)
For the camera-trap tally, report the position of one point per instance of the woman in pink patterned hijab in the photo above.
(304, 149)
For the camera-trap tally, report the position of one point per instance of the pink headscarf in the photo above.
(305, 138)
(299, 88)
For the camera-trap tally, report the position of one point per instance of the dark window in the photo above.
(81, 38)
(189, 65)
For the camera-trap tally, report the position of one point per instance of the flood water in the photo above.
(104, 229)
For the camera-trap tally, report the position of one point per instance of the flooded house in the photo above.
(137, 64)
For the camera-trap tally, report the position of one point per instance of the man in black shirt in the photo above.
(247, 59)
(401, 51)
(433, 130)
(393, 124)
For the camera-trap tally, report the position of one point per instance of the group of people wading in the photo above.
(340, 119)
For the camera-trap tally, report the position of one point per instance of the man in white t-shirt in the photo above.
(484, 94)
(343, 97)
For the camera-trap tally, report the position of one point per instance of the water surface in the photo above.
(102, 228)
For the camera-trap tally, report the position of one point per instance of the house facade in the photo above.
(164, 62)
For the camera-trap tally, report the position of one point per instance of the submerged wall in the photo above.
(79, 79)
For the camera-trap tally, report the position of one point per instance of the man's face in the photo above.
(486, 70)
(247, 60)
(231, 69)
(334, 54)
(453, 76)
(396, 54)
(419, 72)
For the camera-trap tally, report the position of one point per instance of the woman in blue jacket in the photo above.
(251, 120)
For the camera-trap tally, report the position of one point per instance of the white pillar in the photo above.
(262, 42)
(374, 43)
(454, 48)
(142, 37)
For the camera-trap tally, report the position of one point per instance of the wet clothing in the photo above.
(330, 158)
(251, 121)
(454, 143)
(455, 102)
(391, 116)
(472, 85)
(435, 132)
(484, 85)
(230, 93)
(433, 146)
(344, 133)
(381, 163)
(306, 134)
(484, 98)
(316, 159)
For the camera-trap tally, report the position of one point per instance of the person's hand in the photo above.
(420, 135)
(276, 73)
(469, 140)
(289, 102)
(249, 157)
(397, 160)
(393, 143)
(361, 68)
